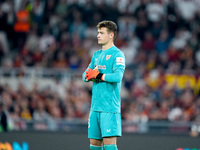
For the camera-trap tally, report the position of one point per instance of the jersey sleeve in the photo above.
(118, 69)
(91, 66)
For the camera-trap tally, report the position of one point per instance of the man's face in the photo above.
(104, 36)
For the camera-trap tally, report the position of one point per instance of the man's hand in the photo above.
(93, 74)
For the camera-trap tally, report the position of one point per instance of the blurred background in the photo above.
(45, 46)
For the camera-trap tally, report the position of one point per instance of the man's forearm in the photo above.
(114, 77)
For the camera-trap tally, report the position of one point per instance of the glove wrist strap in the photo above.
(99, 76)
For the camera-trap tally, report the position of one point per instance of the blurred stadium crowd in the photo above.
(160, 39)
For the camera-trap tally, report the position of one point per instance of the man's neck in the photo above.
(107, 46)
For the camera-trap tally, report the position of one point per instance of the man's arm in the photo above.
(116, 76)
(118, 69)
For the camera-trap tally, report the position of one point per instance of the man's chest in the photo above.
(104, 61)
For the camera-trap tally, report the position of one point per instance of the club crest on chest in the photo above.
(108, 57)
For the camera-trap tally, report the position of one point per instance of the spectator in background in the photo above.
(141, 8)
(25, 110)
(156, 28)
(22, 24)
(41, 116)
(4, 44)
(18, 62)
(155, 11)
(62, 8)
(77, 27)
(32, 40)
(60, 61)
(149, 42)
(128, 79)
(197, 57)
(172, 17)
(163, 42)
(3, 33)
(187, 10)
(46, 41)
(3, 117)
(142, 25)
(126, 27)
(180, 39)
(38, 11)
(193, 41)
(49, 10)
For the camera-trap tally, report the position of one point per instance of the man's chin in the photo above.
(101, 43)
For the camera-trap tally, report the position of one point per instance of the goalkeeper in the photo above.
(105, 70)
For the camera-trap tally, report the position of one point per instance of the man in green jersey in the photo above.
(105, 70)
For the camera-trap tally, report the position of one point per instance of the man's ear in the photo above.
(111, 35)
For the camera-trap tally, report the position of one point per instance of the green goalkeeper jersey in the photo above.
(106, 94)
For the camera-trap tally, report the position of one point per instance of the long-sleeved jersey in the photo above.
(106, 94)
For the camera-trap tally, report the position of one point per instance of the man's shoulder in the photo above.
(117, 51)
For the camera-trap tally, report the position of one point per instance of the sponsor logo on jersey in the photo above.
(101, 67)
(108, 56)
(120, 61)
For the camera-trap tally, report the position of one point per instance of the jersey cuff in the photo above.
(103, 77)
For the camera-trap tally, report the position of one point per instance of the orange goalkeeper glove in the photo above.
(93, 74)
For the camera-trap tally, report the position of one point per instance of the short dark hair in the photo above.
(110, 25)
